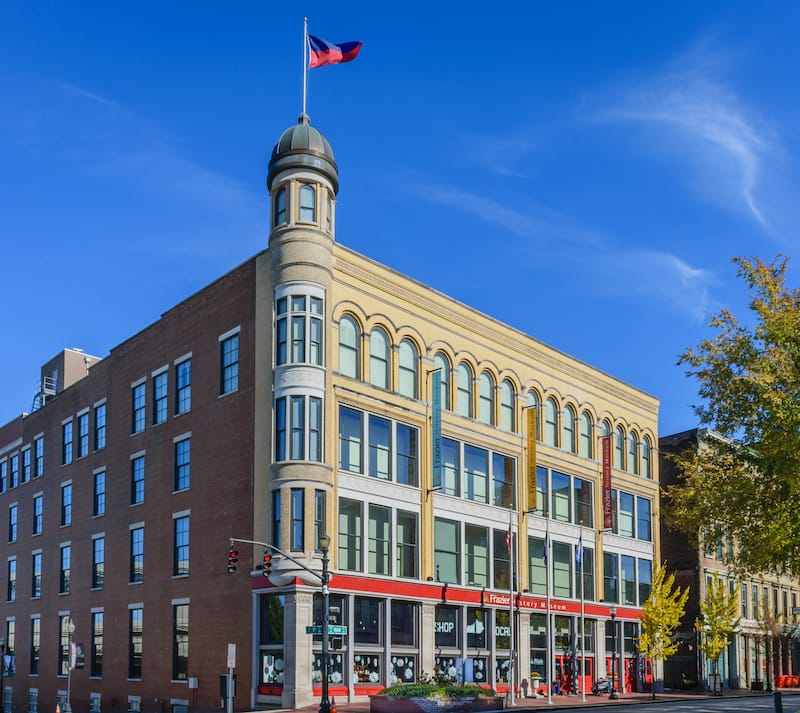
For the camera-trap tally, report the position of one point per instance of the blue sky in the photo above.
(581, 171)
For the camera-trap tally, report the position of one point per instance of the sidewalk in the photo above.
(575, 701)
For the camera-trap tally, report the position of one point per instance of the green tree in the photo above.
(719, 611)
(745, 486)
(661, 615)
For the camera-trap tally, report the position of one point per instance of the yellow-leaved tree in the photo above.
(719, 611)
(661, 615)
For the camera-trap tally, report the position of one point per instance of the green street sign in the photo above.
(333, 629)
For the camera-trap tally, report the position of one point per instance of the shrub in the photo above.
(430, 689)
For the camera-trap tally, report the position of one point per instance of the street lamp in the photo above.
(324, 544)
(613, 695)
(70, 632)
(2, 674)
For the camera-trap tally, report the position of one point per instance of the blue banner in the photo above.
(436, 428)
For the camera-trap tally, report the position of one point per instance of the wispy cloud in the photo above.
(698, 119)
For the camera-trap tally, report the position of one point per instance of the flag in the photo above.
(546, 547)
(579, 551)
(324, 52)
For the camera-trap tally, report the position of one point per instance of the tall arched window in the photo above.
(349, 342)
(308, 204)
(647, 468)
(280, 207)
(507, 411)
(533, 403)
(551, 422)
(585, 438)
(407, 383)
(464, 396)
(379, 358)
(619, 448)
(633, 453)
(442, 363)
(486, 398)
(568, 442)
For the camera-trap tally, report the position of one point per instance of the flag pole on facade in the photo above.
(511, 558)
(583, 628)
(305, 62)
(546, 557)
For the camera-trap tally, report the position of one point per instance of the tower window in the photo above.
(308, 204)
(280, 207)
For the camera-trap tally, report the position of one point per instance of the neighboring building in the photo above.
(765, 646)
(290, 399)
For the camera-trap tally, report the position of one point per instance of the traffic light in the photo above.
(233, 558)
(267, 563)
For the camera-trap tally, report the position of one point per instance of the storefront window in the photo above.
(335, 668)
(446, 667)
(404, 624)
(366, 668)
(272, 619)
(367, 621)
(272, 668)
(476, 628)
(502, 631)
(335, 602)
(446, 627)
(501, 670)
(476, 670)
(403, 669)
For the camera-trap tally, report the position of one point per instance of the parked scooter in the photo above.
(601, 685)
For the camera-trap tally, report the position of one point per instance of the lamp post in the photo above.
(2, 674)
(613, 695)
(324, 704)
(70, 632)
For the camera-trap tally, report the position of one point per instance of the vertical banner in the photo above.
(436, 428)
(532, 497)
(608, 521)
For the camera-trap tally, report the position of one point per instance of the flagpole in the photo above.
(305, 62)
(583, 627)
(511, 559)
(547, 615)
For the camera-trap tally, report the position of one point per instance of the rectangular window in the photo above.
(476, 472)
(229, 363)
(38, 456)
(406, 545)
(501, 560)
(138, 406)
(99, 494)
(297, 427)
(3, 476)
(587, 562)
(96, 661)
(183, 386)
(64, 639)
(137, 480)
(276, 518)
(180, 563)
(350, 440)
(65, 570)
(319, 517)
(380, 447)
(66, 504)
(447, 551)
(36, 575)
(98, 562)
(180, 642)
(100, 427)
(476, 549)
(562, 569)
(610, 588)
(584, 502)
(314, 429)
(625, 518)
(160, 393)
(645, 579)
(15, 471)
(66, 443)
(135, 642)
(643, 519)
(13, 513)
(298, 519)
(451, 468)
(11, 581)
(537, 566)
(36, 644)
(26, 465)
(407, 438)
(83, 434)
(503, 469)
(182, 463)
(350, 534)
(280, 429)
(561, 497)
(38, 513)
(379, 540)
(137, 555)
(628, 571)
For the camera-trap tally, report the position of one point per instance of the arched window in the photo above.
(633, 453)
(308, 204)
(486, 398)
(647, 468)
(442, 363)
(585, 438)
(533, 403)
(619, 448)
(349, 341)
(407, 383)
(464, 396)
(551, 422)
(606, 429)
(507, 411)
(379, 358)
(280, 207)
(568, 442)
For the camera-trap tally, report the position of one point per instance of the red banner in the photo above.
(608, 521)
